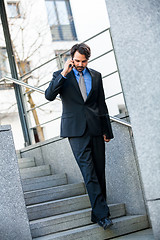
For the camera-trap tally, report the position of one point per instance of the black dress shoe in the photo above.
(93, 220)
(105, 223)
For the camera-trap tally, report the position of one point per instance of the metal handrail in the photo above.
(114, 95)
(103, 54)
(22, 84)
(118, 120)
(110, 74)
(16, 81)
(50, 60)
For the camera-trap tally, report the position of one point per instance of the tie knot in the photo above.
(81, 74)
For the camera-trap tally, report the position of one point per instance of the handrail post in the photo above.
(17, 88)
(60, 61)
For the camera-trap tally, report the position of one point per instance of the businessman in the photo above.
(85, 121)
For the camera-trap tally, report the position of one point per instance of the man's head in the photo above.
(80, 54)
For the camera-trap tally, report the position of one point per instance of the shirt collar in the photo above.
(77, 73)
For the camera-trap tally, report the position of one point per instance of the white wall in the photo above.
(90, 17)
(9, 115)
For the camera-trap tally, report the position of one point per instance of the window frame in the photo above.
(4, 57)
(70, 19)
(3, 72)
(64, 57)
(16, 4)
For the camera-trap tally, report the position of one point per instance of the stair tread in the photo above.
(55, 207)
(50, 189)
(43, 178)
(44, 182)
(95, 228)
(26, 163)
(56, 201)
(70, 220)
(35, 168)
(31, 159)
(44, 220)
(36, 171)
(54, 193)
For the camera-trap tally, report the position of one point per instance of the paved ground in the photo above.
(141, 235)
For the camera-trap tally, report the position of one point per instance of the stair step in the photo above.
(56, 207)
(33, 172)
(54, 193)
(121, 226)
(70, 220)
(32, 184)
(26, 162)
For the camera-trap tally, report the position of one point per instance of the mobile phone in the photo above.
(70, 65)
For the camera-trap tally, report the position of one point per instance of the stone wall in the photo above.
(135, 31)
(14, 222)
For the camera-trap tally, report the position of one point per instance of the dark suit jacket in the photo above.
(77, 113)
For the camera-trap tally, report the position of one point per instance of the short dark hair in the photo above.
(82, 48)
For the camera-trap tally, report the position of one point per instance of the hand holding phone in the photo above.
(67, 67)
(70, 65)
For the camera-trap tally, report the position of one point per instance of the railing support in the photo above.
(115, 119)
(17, 88)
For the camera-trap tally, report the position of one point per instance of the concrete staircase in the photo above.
(58, 210)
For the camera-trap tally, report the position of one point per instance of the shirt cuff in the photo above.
(63, 76)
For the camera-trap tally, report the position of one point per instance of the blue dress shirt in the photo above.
(87, 79)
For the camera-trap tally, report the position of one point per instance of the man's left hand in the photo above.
(106, 139)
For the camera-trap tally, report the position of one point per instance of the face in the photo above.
(80, 61)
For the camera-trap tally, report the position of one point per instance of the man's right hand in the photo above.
(67, 67)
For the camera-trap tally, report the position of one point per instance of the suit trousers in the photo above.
(89, 152)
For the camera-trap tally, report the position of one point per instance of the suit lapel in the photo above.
(72, 78)
(93, 83)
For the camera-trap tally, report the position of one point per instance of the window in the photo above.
(13, 9)
(3, 62)
(64, 57)
(60, 20)
(4, 69)
(6, 86)
(122, 108)
(23, 67)
(36, 137)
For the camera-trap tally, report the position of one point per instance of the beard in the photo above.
(79, 69)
